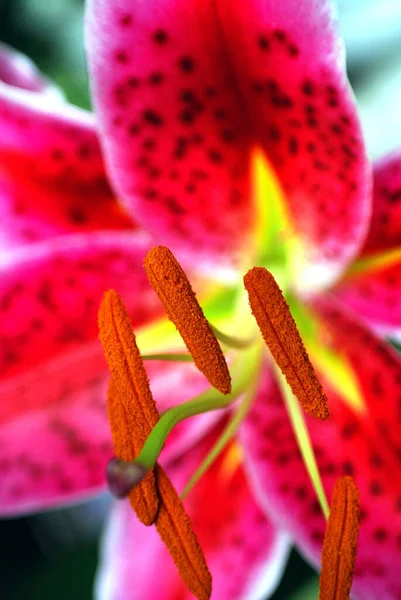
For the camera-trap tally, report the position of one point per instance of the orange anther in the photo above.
(176, 531)
(144, 498)
(175, 292)
(340, 542)
(132, 414)
(131, 408)
(281, 335)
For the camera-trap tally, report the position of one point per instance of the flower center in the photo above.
(244, 355)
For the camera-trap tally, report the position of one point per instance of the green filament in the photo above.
(177, 357)
(229, 431)
(301, 433)
(209, 400)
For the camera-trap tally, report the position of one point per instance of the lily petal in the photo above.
(181, 109)
(375, 296)
(50, 293)
(372, 288)
(64, 188)
(18, 70)
(244, 552)
(364, 445)
(55, 438)
(289, 62)
(385, 224)
(51, 359)
(57, 453)
(53, 374)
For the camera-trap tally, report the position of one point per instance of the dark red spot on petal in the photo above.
(160, 36)
(186, 64)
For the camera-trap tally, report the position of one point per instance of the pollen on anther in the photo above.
(340, 542)
(131, 410)
(281, 335)
(175, 292)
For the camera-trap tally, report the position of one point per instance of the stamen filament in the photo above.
(231, 341)
(305, 445)
(229, 431)
(178, 357)
(175, 292)
(204, 402)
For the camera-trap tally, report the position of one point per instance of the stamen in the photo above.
(233, 425)
(231, 341)
(132, 414)
(244, 368)
(125, 431)
(340, 542)
(176, 531)
(281, 335)
(176, 294)
(131, 408)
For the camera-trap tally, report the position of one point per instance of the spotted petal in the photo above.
(183, 93)
(49, 354)
(52, 177)
(375, 296)
(54, 436)
(50, 293)
(54, 450)
(362, 444)
(372, 288)
(244, 553)
(385, 226)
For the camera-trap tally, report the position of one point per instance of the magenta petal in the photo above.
(18, 70)
(64, 187)
(53, 374)
(385, 226)
(50, 293)
(173, 130)
(55, 454)
(289, 62)
(243, 550)
(54, 436)
(181, 108)
(375, 296)
(364, 446)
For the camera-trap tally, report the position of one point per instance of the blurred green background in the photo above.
(54, 555)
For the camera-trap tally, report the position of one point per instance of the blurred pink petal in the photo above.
(385, 225)
(52, 177)
(375, 292)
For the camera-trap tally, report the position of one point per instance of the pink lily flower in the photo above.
(183, 95)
